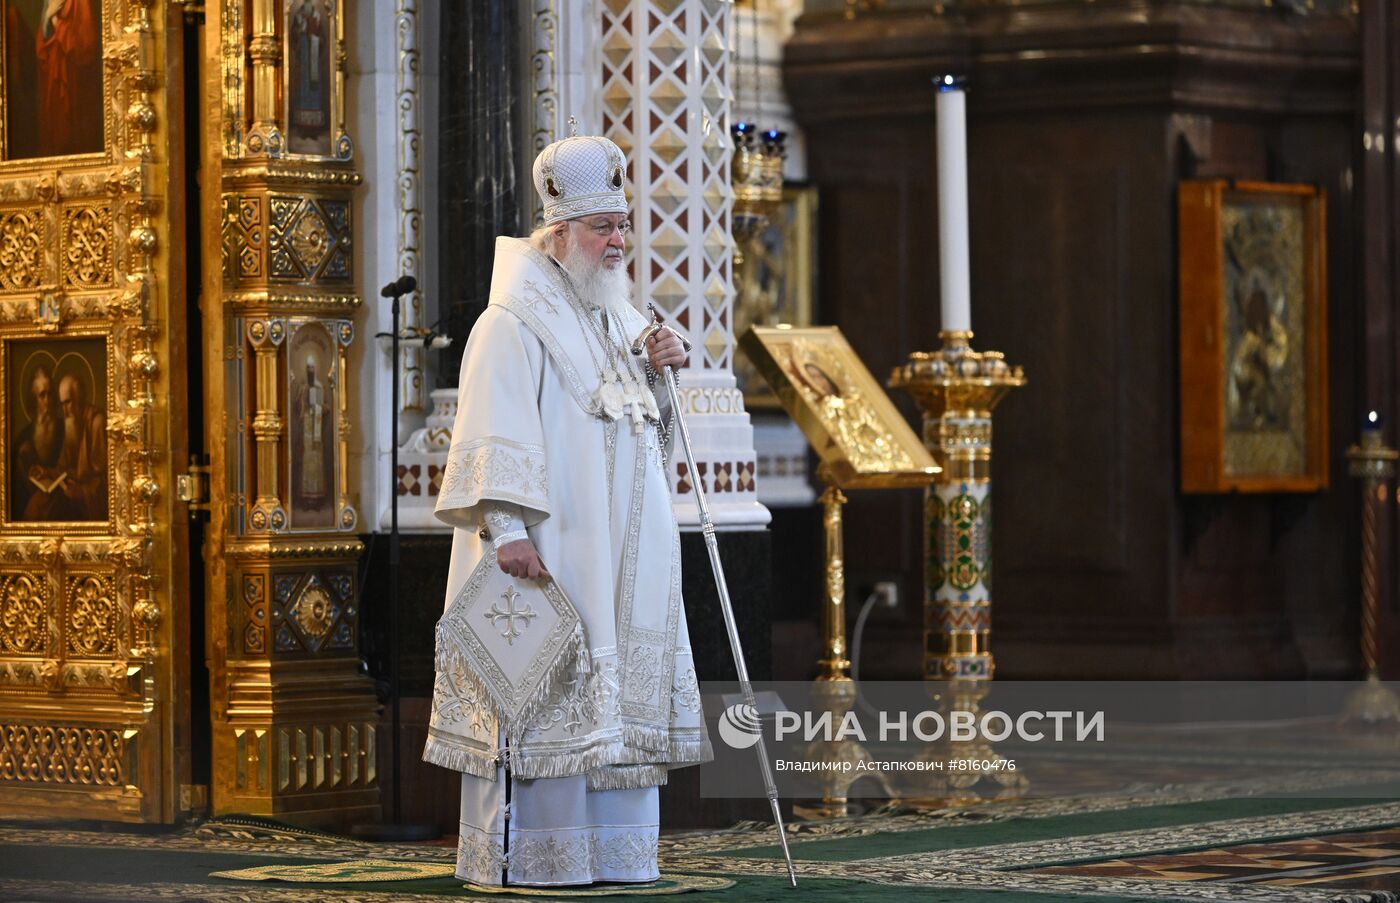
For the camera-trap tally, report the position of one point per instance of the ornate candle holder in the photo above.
(756, 170)
(1373, 463)
(957, 389)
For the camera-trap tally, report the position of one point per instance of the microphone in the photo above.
(401, 286)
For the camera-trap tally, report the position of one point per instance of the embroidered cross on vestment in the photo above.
(510, 614)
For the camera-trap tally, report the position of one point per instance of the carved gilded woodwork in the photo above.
(254, 39)
(87, 246)
(24, 614)
(308, 758)
(22, 244)
(67, 756)
(861, 438)
(92, 688)
(295, 723)
(275, 239)
(93, 616)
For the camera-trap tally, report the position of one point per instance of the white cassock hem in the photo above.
(560, 832)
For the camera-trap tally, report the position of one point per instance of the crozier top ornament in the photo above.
(581, 175)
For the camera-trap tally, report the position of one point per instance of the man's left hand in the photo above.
(665, 348)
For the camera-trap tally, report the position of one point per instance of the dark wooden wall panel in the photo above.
(1069, 214)
(1051, 278)
(1081, 125)
(1320, 556)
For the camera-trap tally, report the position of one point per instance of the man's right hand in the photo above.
(519, 559)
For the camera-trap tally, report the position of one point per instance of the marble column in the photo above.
(394, 87)
(666, 76)
(478, 186)
(666, 94)
(564, 61)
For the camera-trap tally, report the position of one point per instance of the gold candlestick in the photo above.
(1373, 463)
(957, 389)
(834, 690)
(834, 665)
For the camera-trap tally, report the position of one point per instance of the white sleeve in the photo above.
(497, 448)
(504, 521)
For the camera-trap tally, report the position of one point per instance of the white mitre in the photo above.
(579, 176)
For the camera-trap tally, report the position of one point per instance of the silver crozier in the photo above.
(708, 528)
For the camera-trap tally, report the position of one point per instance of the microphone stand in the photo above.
(397, 830)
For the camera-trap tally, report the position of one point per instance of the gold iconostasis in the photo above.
(101, 224)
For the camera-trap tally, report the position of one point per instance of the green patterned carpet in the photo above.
(1005, 852)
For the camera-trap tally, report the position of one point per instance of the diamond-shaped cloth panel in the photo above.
(518, 637)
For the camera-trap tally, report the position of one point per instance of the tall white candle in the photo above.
(952, 207)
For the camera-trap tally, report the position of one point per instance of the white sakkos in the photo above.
(595, 501)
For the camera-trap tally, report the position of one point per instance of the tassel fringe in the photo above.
(597, 760)
(627, 777)
(602, 774)
(477, 763)
(639, 736)
(639, 758)
(674, 754)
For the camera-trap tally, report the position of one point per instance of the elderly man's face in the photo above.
(69, 396)
(43, 393)
(601, 237)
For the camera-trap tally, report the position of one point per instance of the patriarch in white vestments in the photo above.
(563, 715)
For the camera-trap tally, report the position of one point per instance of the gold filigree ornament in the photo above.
(46, 552)
(23, 615)
(313, 612)
(50, 675)
(861, 437)
(87, 246)
(21, 249)
(126, 427)
(310, 239)
(92, 616)
(145, 614)
(844, 410)
(116, 674)
(44, 754)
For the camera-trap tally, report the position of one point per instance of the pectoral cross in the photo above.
(635, 402)
(621, 395)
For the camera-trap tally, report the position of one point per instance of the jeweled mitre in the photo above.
(579, 176)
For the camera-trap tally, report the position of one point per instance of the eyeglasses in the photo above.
(603, 230)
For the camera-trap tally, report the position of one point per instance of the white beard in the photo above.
(598, 285)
